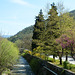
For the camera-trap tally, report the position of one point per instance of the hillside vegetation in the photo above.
(23, 38)
(9, 53)
(72, 13)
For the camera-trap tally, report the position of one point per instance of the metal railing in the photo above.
(50, 70)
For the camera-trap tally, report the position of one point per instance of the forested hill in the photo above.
(73, 13)
(22, 34)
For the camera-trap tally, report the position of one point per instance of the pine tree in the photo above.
(52, 31)
(38, 30)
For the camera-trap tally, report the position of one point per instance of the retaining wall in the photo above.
(44, 71)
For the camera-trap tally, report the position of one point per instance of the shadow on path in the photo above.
(22, 68)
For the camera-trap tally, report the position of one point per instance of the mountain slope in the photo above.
(72, 13)
(22, 34)
(23, 38)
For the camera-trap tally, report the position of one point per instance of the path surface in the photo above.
(70, 59)
(22, 68)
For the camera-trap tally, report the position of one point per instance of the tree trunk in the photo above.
(72, 52)
(60, 58)
(47, 57)
(62, 51)
(66, 57)
(54, 58)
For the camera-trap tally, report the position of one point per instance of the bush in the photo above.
(43, 57)
(27, 52)
(67, 65)
(37, 55)
(23, 54)
(8, 54)
(50, 60)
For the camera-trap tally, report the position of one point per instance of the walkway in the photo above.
(22, 68)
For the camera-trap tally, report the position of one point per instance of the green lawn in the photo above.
(57, 62)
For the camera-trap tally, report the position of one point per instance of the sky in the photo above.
(16, 15)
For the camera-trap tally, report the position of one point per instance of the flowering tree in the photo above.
(67, 43)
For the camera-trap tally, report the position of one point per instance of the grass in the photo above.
(73, 68)
(57, 62)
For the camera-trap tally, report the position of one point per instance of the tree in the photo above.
(67, 43)
(64, 42)
(25, 42)
(39, 28)
(71, 42)
(52, 29)
(66, 23)
(8, 54)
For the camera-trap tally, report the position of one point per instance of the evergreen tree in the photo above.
(52, 31)
(39, 27)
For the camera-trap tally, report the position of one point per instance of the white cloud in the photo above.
(21, 2)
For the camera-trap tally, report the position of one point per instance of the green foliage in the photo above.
(23, 38)
(66, 23)
(72, 13)
(67, 65)
(21, 34)
(39, 52)
(39, 28)
(23, 54)
(19, 43)
(39, 49)
(8, 54)
(52, 30)
(26, 52)
(35, 65)
(50, 60)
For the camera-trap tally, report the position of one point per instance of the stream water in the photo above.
(22, 68)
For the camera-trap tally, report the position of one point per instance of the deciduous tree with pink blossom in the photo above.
(67, 44)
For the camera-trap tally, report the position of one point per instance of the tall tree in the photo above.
(52, 31)
(66, 23)
(39, 27)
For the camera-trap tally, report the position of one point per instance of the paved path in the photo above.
(70, 59)
(22, 68)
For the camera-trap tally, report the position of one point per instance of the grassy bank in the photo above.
(65, 64)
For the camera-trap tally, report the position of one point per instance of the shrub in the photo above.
(8, 54)
(50, 60)
(67, 65)
(43, 57)
(37, 54)
(23, 54)
(27, 52)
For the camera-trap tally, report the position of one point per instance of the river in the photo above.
(22, 68)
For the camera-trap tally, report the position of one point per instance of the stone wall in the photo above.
(52, 67)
